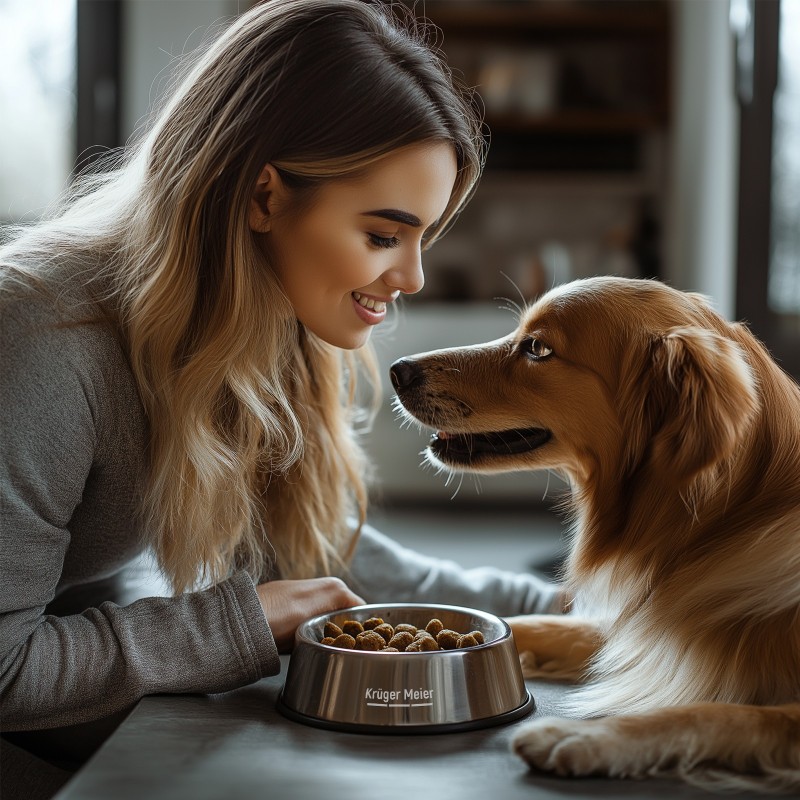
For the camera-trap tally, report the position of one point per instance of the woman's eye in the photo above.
(536, 348)
(383, 241)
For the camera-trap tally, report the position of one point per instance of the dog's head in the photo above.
(601, 376)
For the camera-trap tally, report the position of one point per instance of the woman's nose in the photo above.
(407, 277)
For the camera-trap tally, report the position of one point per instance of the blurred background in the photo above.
(651, 138)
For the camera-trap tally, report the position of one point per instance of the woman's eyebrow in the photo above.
(395, 215)
(404, 217)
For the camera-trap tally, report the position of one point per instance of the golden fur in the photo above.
(680, 439)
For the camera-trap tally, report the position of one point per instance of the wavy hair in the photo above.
(253, 453)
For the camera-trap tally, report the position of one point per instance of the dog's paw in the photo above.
(554, 647)
(534, 666)
(528, 664)
(560, 746)
(571, 747)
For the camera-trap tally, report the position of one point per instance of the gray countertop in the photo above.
(237, 745)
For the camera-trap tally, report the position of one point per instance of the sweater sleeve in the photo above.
(63, 670)
(383, 571)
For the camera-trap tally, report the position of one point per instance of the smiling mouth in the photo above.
(377, 306)
(468, 447)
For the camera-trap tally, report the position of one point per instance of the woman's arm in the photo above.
(385, 572)
(65, 436)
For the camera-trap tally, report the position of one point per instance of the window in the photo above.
(38, 98)
(784, 260)
(768, 237)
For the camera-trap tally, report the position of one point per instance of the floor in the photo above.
(517, 539)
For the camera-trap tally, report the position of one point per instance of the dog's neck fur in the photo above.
(614, 517)
(624, 565)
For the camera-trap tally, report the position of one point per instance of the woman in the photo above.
(181, 345)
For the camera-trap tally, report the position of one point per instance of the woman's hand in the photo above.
(288, 603)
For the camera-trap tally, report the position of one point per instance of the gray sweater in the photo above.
(73, 438)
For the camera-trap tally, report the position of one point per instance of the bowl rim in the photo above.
(303, 634)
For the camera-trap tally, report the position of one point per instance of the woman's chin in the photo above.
(344, 340)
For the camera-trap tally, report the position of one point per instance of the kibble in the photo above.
(447, 639)
(401, 640)
(369, 640)
(352, 627)
(426, 643)
(404, 626)
(345, 640)
(376, 635)
(434, 627)
(332, 630)
(385, 630)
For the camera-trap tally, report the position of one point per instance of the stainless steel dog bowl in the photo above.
(427, 692)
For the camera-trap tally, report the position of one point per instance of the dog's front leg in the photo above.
(715, 745)
(554, 646)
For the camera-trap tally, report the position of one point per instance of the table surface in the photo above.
(236, 745)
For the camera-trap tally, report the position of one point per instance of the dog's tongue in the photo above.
(442, 435)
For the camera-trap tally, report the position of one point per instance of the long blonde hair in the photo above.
(254, 459)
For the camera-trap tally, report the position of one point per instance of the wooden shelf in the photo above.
(608, 62)
(577, 109)
(616, 17)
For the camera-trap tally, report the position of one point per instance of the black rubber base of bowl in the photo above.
(401, 730)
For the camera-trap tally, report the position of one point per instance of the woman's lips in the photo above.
(369, 309)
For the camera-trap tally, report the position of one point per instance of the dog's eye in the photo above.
(535, 348)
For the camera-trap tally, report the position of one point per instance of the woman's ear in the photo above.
(267, 198)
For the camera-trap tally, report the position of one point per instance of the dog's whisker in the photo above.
(512, 308)
(523, 301)
(458, 488)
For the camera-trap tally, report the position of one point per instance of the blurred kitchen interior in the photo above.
(652, 138)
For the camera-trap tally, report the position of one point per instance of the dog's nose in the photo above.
(405, 373)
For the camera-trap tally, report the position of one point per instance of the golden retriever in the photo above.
(680, 439)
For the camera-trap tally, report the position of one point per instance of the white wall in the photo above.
(703, 193)
(154, 32)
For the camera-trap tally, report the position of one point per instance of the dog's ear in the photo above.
(702, 397)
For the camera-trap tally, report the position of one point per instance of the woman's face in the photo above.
(358, 246)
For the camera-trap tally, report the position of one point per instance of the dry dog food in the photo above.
(377, 635)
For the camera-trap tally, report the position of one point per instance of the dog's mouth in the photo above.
(467, 447)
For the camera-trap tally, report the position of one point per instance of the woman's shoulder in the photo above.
(60, 351)
(59, 290)
(54, 316)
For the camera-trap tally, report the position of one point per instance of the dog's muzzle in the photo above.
(405, 374)
(460, 449)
